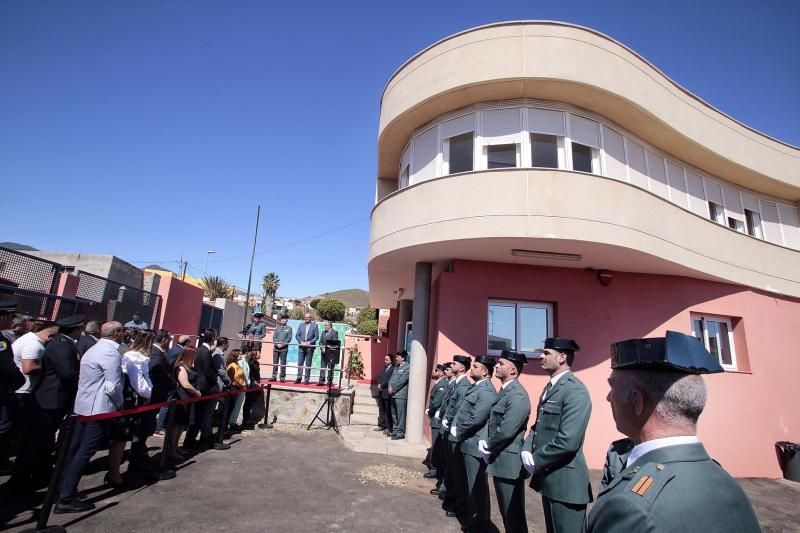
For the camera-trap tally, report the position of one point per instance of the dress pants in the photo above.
(326, 371)
(399, 406)
(279, 361)
(478, 488)
(86, 440)
(561, 517)
(305, 356)
(511, 501)
(385, 413)
(459, 486)
(202, 415)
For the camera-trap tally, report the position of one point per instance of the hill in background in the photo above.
(18, 246)
(350, 297)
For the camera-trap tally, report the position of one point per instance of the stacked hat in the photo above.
(486, 361)
(258, 315)
(8, 305)
(514, 357)
(72, 322)
(676, 352)
(441, 367)
(560, 345)
(463, 359)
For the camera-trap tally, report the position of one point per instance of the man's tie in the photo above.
(547, 389)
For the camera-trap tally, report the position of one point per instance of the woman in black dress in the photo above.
(253, 410)
(186, 377)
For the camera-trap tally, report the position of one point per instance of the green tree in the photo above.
(367, 313)
(270, 284)
(331, 309)
(368, 327)
(215, 287)
(297, 313)
(313, 303)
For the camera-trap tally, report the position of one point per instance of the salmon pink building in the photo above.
(540, 179)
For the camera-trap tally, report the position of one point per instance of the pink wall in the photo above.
(181, 306)
(747, 411)
(373, 350)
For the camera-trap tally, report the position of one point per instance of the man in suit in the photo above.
(469, 428)
(553, 451)
(435, 398)
(669, 482)
(398, 394)
(508, 421)
(307, 337)
(206, 384)
(99, 391)
(11, 378)
(281, 338)
(89, 337)
(55, 398)
(455, 475)
(384, 402)
(330, 352)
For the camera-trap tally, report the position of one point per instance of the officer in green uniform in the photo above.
(467, 429)
(616, 458)
(508, 420)
(398, 394)
(281, 338)
(455, 501)
(435, 398)
(553, 451)
(440, 438)
(670, 483)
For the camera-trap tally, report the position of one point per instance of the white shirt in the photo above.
(655, 444)
(29, 347)
(136, 366)
(459, 378)
(554, 380)
(507, 383)
(100, 382)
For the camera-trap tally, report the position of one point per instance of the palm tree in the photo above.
(215, 287)
(270, 284)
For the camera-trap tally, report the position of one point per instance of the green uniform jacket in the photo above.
(677, 488)
(556, 442)
(448, 395)
(508, 420)
(399, 381)
(454, 403)
(435, 399)
(470, 421)
(616, 457)
(282, 335)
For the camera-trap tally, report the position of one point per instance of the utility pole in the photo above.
(184, 264)
(250, 278)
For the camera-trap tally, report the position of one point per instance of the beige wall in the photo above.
(579, 66)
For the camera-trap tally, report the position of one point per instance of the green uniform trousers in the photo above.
(399, 415)
(511, 501)
(479, 511)
(560, 517)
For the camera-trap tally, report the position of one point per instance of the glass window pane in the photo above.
(753, 220)
(713, 338)
(697, 328)
(501, 326)
(502, 155)
(544, 150)
(532, 328)
(725, 345)
(581, 158)
(461, 153)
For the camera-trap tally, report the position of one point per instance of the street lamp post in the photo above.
(205, 265)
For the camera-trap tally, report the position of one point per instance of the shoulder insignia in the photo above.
(642, 485)
(660, 467)
(62, 340)
(3, 345)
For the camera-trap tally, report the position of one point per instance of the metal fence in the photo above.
(18, 269)
(120, 302)
(42, 306)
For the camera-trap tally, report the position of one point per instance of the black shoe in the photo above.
(166, 474)
(398, 436)
(273, 378)
(73, 506)
(298, 380)
(305, 382)
(430, 475)
(108, 481)
(283, 380)
(436, 492)
(221, 446)
(320, 384)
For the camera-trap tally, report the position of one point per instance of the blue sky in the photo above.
(151, 130)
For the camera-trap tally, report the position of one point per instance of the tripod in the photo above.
(330, 399)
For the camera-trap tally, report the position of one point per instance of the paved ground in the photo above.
(288, 479)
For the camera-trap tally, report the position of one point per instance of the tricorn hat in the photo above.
(559, 344)
(72, 321)
(676, 352)
(463, 359)
(486, 361)
(514, 357)
(441, 367)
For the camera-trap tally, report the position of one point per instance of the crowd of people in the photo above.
(660, 478)
(49, 370)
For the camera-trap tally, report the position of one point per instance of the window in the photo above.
(519, 326)
(544, 150)
(753, 223)
(736, 224)
(716, 213)
(502, 155)
(717, 336)
(581, 158)
(460, 153)
(404, 178)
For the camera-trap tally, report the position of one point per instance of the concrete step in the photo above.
(365, 408)
(364, 419)
(355, 438)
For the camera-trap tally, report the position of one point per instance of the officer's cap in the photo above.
(514, 357)
(8, 305)
(676, 352)
(440, 367)
(258, 315)
(463, 359)
(447, 364)
(72, 321)
(560, 345)
(284, 315)
(486, 361)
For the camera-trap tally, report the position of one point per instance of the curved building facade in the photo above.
(540, 179)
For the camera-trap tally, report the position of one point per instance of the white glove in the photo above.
(453, 431)
(527, 461)
(436, 415)
(484, 449)
(445, 423)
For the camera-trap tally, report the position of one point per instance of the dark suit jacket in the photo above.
(58, 384)
(332, 354)
(161, 376)
(383, 381)
(313, 333)
(84, 343)
(203, 365)
(11, 378)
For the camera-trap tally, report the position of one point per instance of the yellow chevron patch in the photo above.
(642, 485)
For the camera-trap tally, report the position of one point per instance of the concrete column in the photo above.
(403, 316)
(418, 377)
